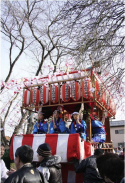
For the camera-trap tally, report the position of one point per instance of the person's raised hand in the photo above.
(37, 125)
(54, 126)
(78, 120)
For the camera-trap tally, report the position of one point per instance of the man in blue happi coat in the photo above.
(40, 127)
(57, 125)
(78, 126)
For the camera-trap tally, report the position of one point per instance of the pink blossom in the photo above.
(51, 68)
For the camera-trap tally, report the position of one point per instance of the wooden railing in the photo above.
(107, 147)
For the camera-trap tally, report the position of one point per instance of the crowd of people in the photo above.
(49, 169)
(98, 168)
(57, 125)
(101, 168)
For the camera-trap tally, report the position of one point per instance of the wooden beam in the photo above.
(32, 107)
(107, 129)
(89, 129)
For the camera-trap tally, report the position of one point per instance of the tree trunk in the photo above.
(3, 138)
(17, 128)
(30, 123)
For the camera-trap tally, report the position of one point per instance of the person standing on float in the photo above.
(78, 126)
(57, 125)
(40, 127)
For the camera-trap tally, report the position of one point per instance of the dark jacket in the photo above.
(89, 169)
(6, 158)
(26, 174)
(52, 164)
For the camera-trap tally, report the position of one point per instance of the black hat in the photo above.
(44, 150)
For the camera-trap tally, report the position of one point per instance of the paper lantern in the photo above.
(44, 94)
(103, 98)
(26, 98)
(109, 115)
(86, 86)
(65, 90)
(35, 96)
(107, 99)
(114, 108)
(99, 91)
(75, 91)
(54, 94)
(109, 106)
(36, 108)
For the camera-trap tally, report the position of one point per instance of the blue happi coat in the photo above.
(43, 127)
(76, 128)
(98, 131)
(60, 126)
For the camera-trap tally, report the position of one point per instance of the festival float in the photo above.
(82, 91)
